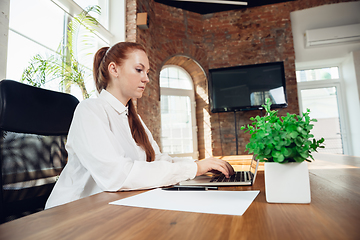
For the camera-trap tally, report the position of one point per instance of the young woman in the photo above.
(109, 146)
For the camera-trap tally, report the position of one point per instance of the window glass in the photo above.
(176, 125)
(28, 38)
(29, 19)
(323, 103)
(85, 48)
(39, 27)
(317, 74)
(18, 60)
(173, 77)
(86, 3)
(102, 18)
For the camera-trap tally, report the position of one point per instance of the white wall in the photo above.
(332, 15)
(356, 56)
(4, 32)
(346, 56)
(351, 72)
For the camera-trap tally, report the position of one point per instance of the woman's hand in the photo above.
(214, 164)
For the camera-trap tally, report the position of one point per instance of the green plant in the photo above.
(64, 64)
(282, 139)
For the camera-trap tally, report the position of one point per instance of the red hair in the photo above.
(118, 54)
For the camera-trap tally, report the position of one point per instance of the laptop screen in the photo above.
(253, 165)
(253, 168)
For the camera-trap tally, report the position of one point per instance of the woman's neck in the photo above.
(117, 94)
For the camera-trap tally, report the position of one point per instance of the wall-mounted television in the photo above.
(246, 87)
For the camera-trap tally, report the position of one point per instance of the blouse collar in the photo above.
(114, 102)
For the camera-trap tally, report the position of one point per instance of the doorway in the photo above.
(320, 91)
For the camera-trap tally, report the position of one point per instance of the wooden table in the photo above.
(334, 213)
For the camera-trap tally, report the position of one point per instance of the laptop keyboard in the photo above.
(240, 176)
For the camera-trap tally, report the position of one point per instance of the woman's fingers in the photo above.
(230, 168)
(211, 164)
(225, 171)
(225, 167)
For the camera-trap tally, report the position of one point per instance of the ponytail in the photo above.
(100, 71)
(139, 134)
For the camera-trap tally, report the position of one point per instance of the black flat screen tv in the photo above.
(246, 87)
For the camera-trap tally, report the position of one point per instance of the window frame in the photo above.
(341, 101)
(189, 93)
(315, 68)
(73, 9)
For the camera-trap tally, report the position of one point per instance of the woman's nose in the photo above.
(146, 78)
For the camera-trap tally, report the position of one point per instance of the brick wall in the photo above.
(239, 37)
(252, 36)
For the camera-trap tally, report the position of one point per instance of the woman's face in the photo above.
(132, 76)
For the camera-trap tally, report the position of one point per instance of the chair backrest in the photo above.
(34, 123)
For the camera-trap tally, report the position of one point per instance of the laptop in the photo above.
(240, 178)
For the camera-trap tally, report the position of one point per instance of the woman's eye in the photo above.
(138, 70)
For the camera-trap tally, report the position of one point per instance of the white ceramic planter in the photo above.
(287, 183)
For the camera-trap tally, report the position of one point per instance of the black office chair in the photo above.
(34, 123)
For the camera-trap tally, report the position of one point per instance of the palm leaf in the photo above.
(64, 64)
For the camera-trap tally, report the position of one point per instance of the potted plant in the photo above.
(285, 145)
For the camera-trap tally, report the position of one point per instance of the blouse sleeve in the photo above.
(103, 156)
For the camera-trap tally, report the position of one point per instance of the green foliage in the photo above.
(282, 139)
(64, 63)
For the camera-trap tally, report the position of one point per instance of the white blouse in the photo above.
(103, 156)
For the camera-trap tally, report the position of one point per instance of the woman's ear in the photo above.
(113, 70)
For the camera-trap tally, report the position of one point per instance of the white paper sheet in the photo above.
(215, 202)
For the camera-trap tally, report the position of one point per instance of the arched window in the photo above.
(178, 119)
